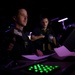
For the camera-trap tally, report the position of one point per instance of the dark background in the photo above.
(52, 8)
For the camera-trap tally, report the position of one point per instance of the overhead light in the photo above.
(62, 20)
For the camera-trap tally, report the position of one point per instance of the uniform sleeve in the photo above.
(7, 42)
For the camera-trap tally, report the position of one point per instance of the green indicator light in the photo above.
(51, 66)
(35, 67)
(38, 65)
(29, 69)
(56, 66)
(42, 65)
(46, 71)
(46, 66)
(50, 69)
(41, 71)
(36, 70)
(40, 68)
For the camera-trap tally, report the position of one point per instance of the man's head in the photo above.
(44, 22)
(21, 17)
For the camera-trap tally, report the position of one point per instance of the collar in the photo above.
(17, 32)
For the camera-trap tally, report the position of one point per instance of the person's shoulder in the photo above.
(9, 32)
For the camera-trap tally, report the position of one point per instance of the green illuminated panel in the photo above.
(40, 68)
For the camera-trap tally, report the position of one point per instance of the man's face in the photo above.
(44, 22)
(22, 17)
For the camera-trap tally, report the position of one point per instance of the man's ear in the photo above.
(14, 18)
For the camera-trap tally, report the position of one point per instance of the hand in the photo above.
(42, 36)
(51, 37)
(10, 47)
(39, 53)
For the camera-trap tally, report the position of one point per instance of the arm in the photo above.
(39, 52)
(34, 37)
(36, 34)
(54, 40)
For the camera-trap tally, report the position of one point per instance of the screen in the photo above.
(70, 41)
